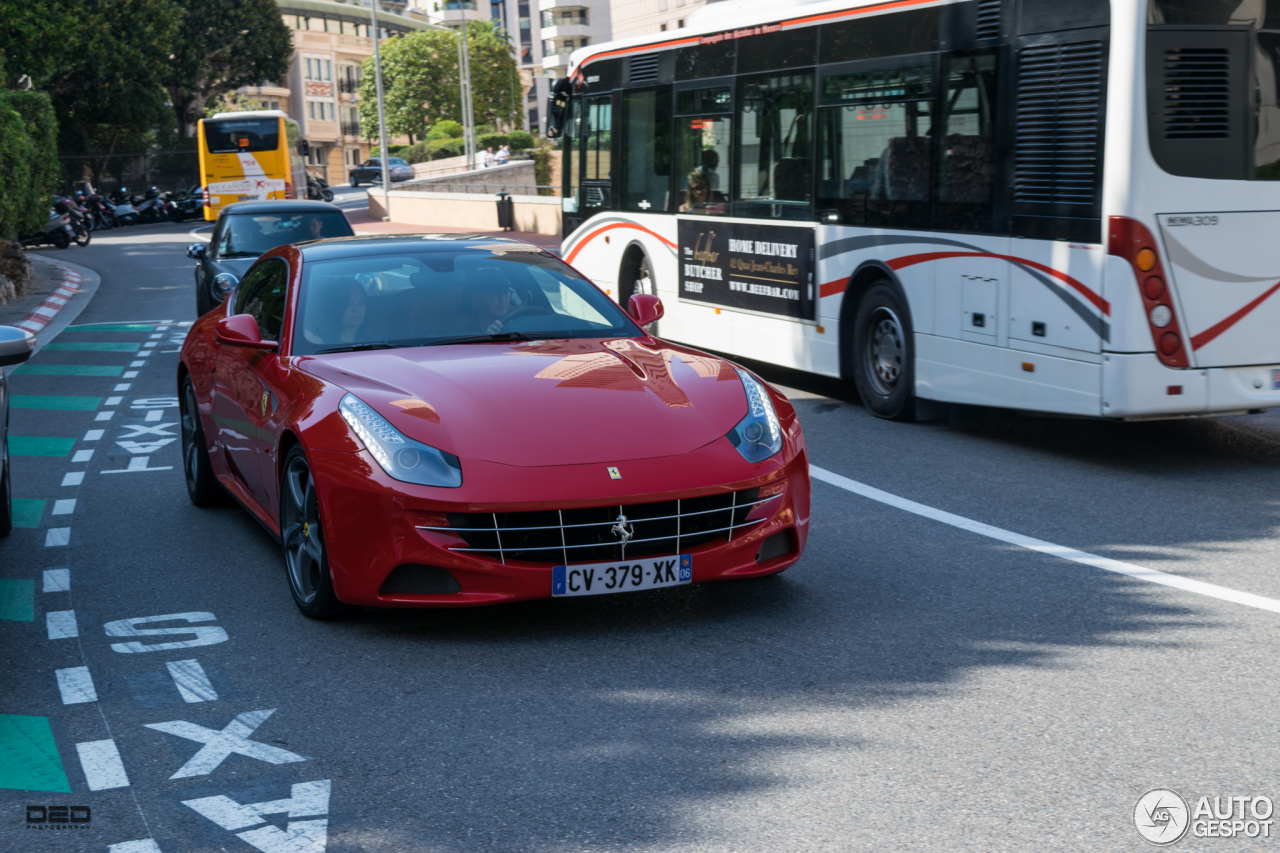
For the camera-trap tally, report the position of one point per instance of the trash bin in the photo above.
(506, 211)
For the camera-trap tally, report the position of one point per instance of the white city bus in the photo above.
(1060, 206)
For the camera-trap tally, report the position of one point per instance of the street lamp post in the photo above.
(464, 77)
(383, 152)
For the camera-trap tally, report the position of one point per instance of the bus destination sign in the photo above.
(763, 268)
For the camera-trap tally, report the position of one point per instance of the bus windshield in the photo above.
(233, 136)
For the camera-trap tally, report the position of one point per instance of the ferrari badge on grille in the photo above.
(613, 474)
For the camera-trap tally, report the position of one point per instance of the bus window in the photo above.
(646, 151)
(775, 116)
(966, 185)
(875, 149)
(238, 137)
(597, 162)
(703, 164)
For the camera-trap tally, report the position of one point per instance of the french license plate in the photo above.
(1275, 380)
(623, 576)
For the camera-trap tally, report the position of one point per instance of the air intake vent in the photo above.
(1057, 159)
(988, 19)
(1197, 93)
(644, 69)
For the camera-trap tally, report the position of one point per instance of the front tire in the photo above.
(82, 236)
(354, 182)
(202, 485)
(326, 194)
(306, 559)
(884, 352)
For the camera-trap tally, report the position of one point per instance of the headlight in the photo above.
(400, 456)
(759, 435)
(224, 282)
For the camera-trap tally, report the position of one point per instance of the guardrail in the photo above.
(464, 187)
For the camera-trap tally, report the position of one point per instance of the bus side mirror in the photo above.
(558, 107)
(304, 148)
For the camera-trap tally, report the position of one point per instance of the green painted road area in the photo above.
(36, 401)
(40, 445)
(95, 346)
(69, 370)
(28, 755)
(127, 327)
(27, 512)
(17, 600)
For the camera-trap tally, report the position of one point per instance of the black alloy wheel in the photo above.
(884, 353)
(202, 485)
(302, 535)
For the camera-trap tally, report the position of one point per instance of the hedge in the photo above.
(445, 130)
(28, 160)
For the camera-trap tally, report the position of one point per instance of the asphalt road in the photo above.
(915, 682)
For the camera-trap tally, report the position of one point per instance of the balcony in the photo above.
(565, 18)
(561, 5)
(557, 60)
(351, 128)
(349, 87)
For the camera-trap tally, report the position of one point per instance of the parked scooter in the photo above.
(56, 232)
(318, 188)
(125, 212)
(81, 223)
(152, 207)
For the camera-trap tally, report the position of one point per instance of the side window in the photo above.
(262, 295)
(597, 154)
(221, 240)
(774, 178)
(703, 157)
(875, 150)
(966, 184)
(646, 151)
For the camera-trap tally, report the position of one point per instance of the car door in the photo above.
(241, 403)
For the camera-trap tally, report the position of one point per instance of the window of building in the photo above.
(774, 176)
(315, 24)
(320, 110)
(646, 155)
(874, 143)
(320, 70)
(350, 28)
(662, 28)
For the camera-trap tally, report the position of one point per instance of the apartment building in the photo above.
(645, 17)
(331, 39)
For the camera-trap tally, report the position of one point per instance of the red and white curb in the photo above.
(54, 302)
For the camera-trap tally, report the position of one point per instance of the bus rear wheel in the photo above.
(635, 277)
(884, 353)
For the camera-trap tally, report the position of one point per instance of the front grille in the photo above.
(587, 535)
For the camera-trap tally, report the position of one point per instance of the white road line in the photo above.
(197, 236)
(113, 401)
(57, 580)
(61, 624)
(65, 506)
(73, 478)
(137, 364)
(145, 845)
(129, 374)
(103, 769)
(55, 537)
(82, 456)
(104, 416)
(76, 685)
(192, 683)
(1223, 593)
(124, 386)
(137, 463)
(154, 415)
(94, 434)
(155, 337)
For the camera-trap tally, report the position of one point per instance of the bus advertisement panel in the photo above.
(248, 156)
(767, 269)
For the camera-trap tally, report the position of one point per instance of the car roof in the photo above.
(280, 206)
(386, 244)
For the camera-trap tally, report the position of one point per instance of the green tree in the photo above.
(421, 82)
(221, 46)
(28, 165)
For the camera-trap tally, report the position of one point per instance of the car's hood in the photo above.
(236, 266)
(546, 402)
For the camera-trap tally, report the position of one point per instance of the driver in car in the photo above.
(492, 303)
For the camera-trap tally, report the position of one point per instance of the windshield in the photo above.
(1214, 83)
(230, 136)
(249, 235)
(472, 295)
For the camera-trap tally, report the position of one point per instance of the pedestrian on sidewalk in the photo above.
(504, 155)
(488, 157)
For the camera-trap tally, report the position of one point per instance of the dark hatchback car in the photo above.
(370, 171)
(16, 346)
(248, 229)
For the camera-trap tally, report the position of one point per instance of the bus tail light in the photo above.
(1133, 241)
(204, 195)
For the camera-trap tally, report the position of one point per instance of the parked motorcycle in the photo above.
(318, 188)
(56, 232)
(125, 213)
(80, 221)
(152, 207)
(102, 211)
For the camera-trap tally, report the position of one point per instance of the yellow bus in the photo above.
(250, 156)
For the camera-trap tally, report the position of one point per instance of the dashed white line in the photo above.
(192, 683)
(154, 415)
(82, 456)
(137, 463)
(113, 401)
(94, 434)
(104, 416)
(137, 364)
(155, 337)
(73, 478)
(65, 506)
(57, 536)
(61, 624)
(123, 386)
(103, 769)
(76, 685)
(1210, 590)
(129, 374)
(145, 845)
(57, 580)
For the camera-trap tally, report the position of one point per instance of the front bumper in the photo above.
(373, 523)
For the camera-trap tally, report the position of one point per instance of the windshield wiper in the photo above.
(361, 347)
(500, 336)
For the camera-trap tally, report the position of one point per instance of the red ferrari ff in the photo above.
(442, 421)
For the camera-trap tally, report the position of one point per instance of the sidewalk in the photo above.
(363, 223)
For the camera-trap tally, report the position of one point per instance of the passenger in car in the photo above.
(340, 314)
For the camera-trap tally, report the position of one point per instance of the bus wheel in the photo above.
(884, 353)
(635, 277)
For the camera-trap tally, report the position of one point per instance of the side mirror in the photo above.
(644, 309)
(304, 147)
(16, 345)
(196, 251)
(241, 330)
